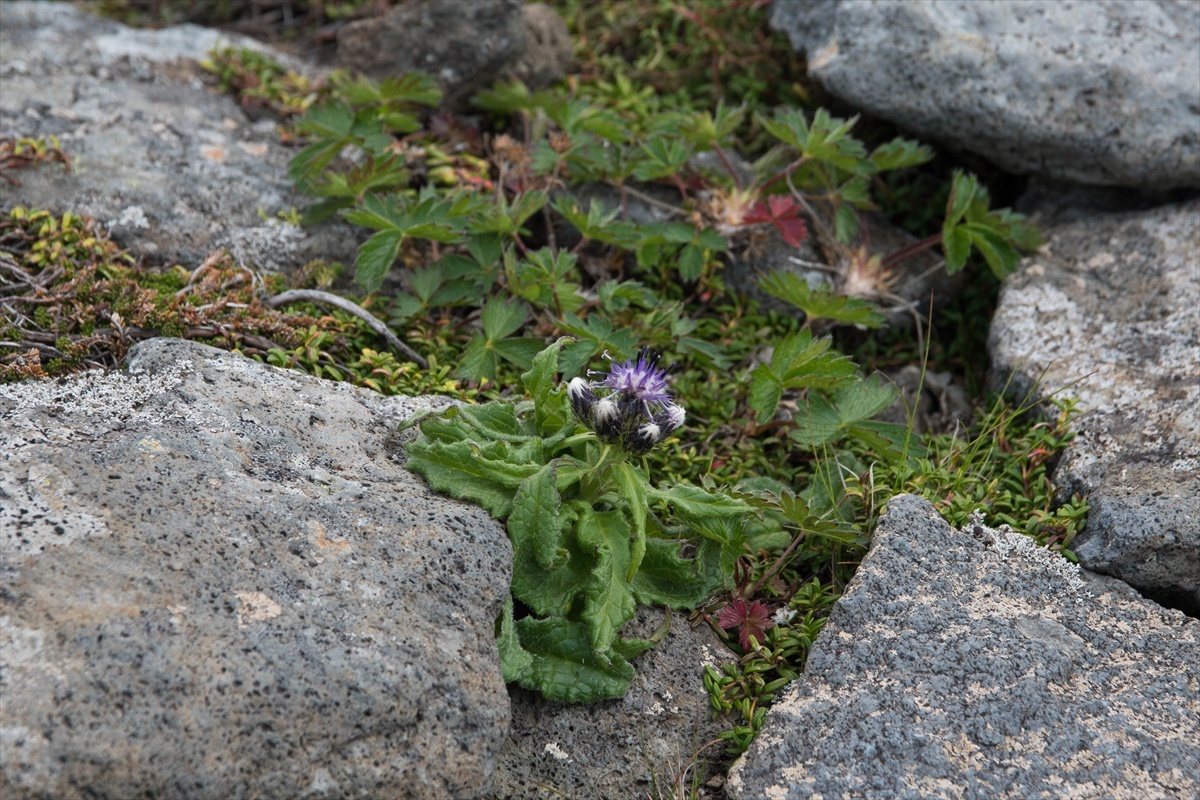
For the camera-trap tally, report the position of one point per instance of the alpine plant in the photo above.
(636, 409)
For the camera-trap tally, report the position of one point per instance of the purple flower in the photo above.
(637, 410)
(639, 379)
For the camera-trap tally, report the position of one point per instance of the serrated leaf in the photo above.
(477, 360)
(536, 520)
(456, 469)
(694, 501)
(565, 667)
(766, 390)
(540, 385)
(520, 352)
(666, 579)
(998, 254)
(633, 488)
(957, 246)
(863, 399)
(816, 424)
(691, 263)
(962, 194)
(501, 317)
(608, 600)
(900, 153)
(375, 258)
(845, 224)
(553, 591)
(819, 303)
(515, 660)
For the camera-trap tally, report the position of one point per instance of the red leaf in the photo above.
(783, 212)
(750, 620)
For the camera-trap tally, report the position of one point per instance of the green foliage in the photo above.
(971, 224)
(590, 534)
(820, 304)
(797, 362)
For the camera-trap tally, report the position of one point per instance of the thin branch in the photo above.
(376, 324)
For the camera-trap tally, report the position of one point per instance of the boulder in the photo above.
(1107, 313)
(618, 749)
(465, 47)
(219, 581)
(547, 54)
(976, 664)
(174, 168)
(1094, 91)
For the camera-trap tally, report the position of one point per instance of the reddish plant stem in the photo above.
(911, 250)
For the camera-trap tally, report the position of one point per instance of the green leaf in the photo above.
(520, 352)
(999, 254)
(766, 390)
(817, 424)
(501, 317)
(376, 257)
(863, 399)
(667, 579)
(900, 153)
(962, 194)
(819, 303)
(608, 599)
(457, 469)
(536, 520)
(633, 488)
(691, 263)
(564, 665)
(957, 246)
(515, 660)
(694, 501)
(541, 385)
(552, 591)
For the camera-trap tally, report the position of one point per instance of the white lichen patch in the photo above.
(552, 749)
(94, 393)
(255, 607)
(1010, 545)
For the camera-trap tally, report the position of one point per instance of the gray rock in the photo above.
(465, 47)
(624, 748)
(220, 581)
(172, 167)
(977, 665)
(547, 54)
(1100, 92)
(1109, 313)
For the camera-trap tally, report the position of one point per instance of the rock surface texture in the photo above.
(172, 167)
(464, 46)
(220, 581)
(1094, 91)
(1109, 313)
(622, 748)
(976, 665)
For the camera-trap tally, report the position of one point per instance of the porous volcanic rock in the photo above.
(220, 581)
(1109, 313)
(465, 47)
(975, 664)
(1094, 91)
(618, 749)
(171, 166)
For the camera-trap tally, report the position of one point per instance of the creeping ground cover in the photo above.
(559, 260)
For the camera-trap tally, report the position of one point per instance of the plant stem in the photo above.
(910, 250)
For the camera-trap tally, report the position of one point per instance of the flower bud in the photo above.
(670, 419)
(643, 437)
(583, 399)
(607, 418)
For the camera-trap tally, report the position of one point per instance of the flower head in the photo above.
(636, 409)
(638, 379)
